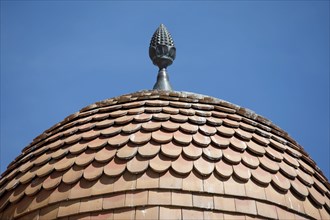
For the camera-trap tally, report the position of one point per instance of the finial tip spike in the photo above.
(162, 50)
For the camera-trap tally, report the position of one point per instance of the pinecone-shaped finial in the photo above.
(162, 50)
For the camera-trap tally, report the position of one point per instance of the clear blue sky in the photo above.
(268, 56)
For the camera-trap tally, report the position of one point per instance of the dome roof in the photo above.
(160, 155)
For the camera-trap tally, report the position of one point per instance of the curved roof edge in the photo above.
(180, 96)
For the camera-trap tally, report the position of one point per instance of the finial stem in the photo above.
(163, 82)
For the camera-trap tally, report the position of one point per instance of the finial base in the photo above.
(163, 82)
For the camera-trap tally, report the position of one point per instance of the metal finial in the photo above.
(162, 53)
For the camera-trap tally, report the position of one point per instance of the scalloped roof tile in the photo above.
(164, 154)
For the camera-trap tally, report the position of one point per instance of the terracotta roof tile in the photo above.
(197, 120)
(125, 182)
(140, 137)
(246, 206)
(203, 113)
(85, 158)
(162, 137)
(299, 188)
(224, 169)
(311, 210)
(59, 153)
(136, 198)
(274, 154)
(68, 208)
(265, 210)
(277, 145)
(153, 109)
(225, 131)
(170, 126)
(220, 141)
(137, 165)
(61, 193)
(17, 194)
(213, 184)
(159, 198)
(304, 166)
(256, 148)
(203, 201)
(65, 163)
(72, 175)
(34, 187)
(114, 130)
(292, 202)
(115, 167)
(53, 180)
(242, 172)
(169, 213)
(275, 196)
(49, 212)
(127, 152)
(133, 105)
(193, 182)
(170, 180)
(287, 170)
(232, 156)
(77, 148)
(27, 177)
(268, 164)
(143, 117)
(190, 214)
(45, 170)
(164, 154)
(189, 128)
(315, 196)
(323, 213)
(237, 144)
(214, 121)
(283, 214)
(213, 215)
(135, 111)
(161, 117)
(192, 151)
(182, 199)
(254, 190)
(151, 126)
(105, 154)
(261, 176)
(230, 123)
(93, 171)
(250, 160)
(232, 216)
(182, 138)
(281, 182)
(149, 149)
(126, 213)
(204, 166)
(182, 165)
(113, 201)
(304, 177)
(212, 152)
(171, 149)
(170, 110)
(235, 187)
(147, 213)
(224, 203)
(201, 139)
(81, 189)
(160, 163)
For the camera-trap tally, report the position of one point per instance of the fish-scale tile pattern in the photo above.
(157, 154)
